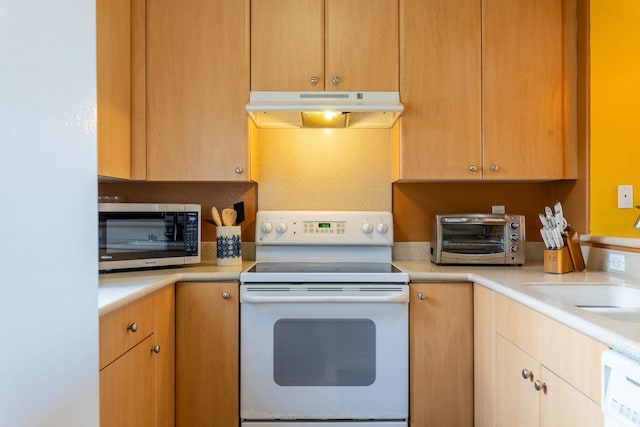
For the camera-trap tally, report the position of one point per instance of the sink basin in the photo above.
(619, 302)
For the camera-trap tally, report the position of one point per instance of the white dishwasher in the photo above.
(620, 390)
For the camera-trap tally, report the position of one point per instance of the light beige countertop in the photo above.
(118, 289)
(510, 282)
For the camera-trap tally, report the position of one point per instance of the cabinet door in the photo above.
(440, 86)
(562, 405)
(113, 37)
(197, 89)
(484, 361)
(164, 360)
(126, 388)
(207, 346)
(524, 89)
(441, 354)
(121, 109)
(517, 401)
(287, 45)
(361, 45)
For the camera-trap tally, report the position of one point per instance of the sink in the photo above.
(616, 301)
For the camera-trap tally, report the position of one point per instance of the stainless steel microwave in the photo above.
(490, 239)
(144, 235)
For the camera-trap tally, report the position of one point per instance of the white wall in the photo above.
(48, 190)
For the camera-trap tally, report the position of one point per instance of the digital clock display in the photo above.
(324, 225)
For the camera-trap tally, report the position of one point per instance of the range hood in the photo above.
(354, 110)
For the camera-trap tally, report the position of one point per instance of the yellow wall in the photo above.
(615, 114)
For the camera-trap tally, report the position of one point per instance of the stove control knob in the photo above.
(382, 227)
(281, 227)
(367, 228)
(266, 227)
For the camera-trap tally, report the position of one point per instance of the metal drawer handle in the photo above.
(421, 296)
(132, 327)
(540, 386)
(527, 374)
(226, 295)
(155, 349)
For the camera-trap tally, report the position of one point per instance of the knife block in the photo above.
(557, 261)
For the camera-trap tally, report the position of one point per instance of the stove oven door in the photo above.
(324, 359)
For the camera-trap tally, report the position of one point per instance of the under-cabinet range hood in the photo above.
(354, 110)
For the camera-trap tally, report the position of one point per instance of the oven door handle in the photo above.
(264, 299)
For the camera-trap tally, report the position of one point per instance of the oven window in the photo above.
(473, 238)
(324, 352)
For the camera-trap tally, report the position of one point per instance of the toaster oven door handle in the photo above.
(463, 220)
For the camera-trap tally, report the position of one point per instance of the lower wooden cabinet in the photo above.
(441, 354)
(125, 385)
(137, 363)
(207, 351)
(529, 394)
(531, 370)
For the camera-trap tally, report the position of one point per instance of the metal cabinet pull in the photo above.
(132, 327)
(238, 170)
(473, 168)
(155, 349)
(226, 295)
(494, 168)
(314, 80)
(538, 385)
(421, 296)
(527, 374)
(335, 80)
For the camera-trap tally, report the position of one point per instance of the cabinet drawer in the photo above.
(117, 333)
(570, 354)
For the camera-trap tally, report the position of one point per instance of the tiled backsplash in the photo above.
(596, 258)
(419, 251)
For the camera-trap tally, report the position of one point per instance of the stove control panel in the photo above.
(324, 228)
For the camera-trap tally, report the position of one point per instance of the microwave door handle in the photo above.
(264, 299)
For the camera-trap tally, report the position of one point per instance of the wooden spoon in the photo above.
(216, 216)
(229, 217)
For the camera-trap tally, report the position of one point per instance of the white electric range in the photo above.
(324, 323)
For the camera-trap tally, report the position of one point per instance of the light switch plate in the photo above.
(625, 196)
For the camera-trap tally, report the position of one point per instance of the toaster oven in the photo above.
(489, 239)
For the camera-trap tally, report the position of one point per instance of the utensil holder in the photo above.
(228, 245)
(557, 261)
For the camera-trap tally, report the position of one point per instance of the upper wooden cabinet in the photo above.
(489, 90)
(440, 87)
(332, 45)
(120, 88)
(197, 89)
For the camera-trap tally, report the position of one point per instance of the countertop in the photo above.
(118, 289)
